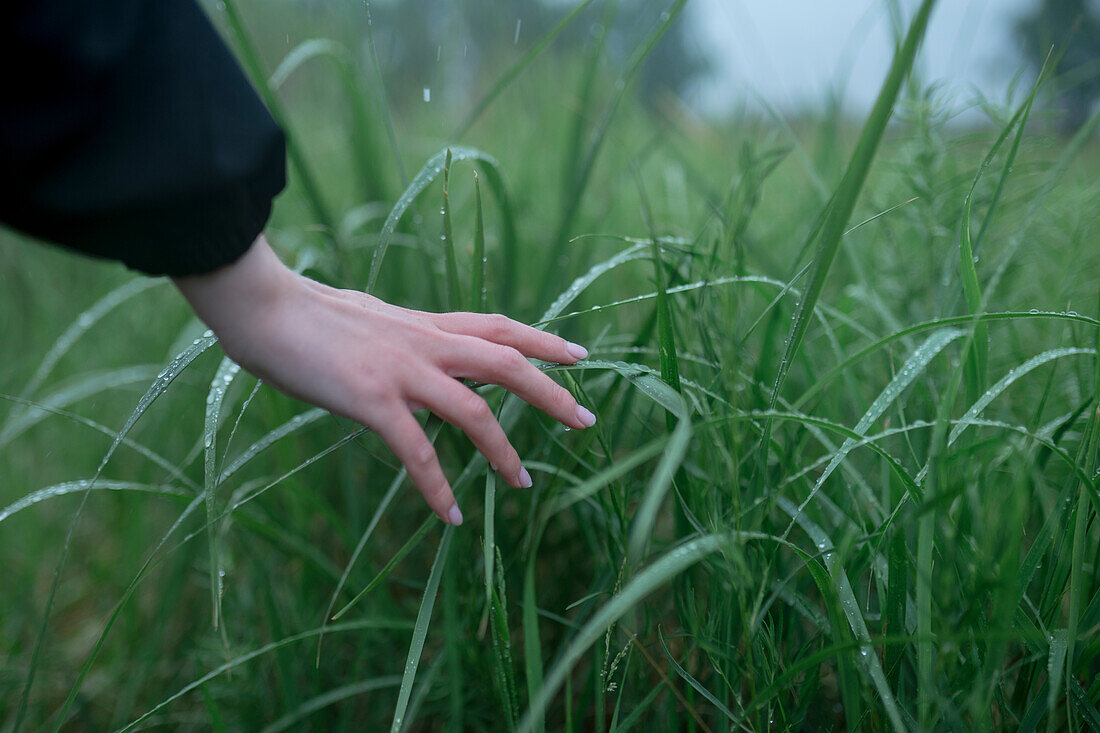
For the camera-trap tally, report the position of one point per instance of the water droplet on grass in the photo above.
(427, 94)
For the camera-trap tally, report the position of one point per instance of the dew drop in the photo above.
(427, 94)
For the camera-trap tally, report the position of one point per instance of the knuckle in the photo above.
(511, 360)
(476, 408)
(423, 455)
(498, 326)
(562, 399)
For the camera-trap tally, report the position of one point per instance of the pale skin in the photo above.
(376, 363)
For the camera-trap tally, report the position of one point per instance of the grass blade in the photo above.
(454, 291)
(420, 630)
(844, 200)
(477, 287)
(431, 170)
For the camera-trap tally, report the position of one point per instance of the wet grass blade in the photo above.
(454, 290)
(411, 543)
(478, 290)
(978, 356)
(420, 630)
(599, 134)
(86, 386)
(71, 487)
(158, 387)
(844, 200)
(432, 170)
(850, 607)
(661, 571)
(78, 328)
(227, 371)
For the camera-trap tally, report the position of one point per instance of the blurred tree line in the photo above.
(1072, 29)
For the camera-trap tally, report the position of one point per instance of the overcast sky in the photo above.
(792, 52)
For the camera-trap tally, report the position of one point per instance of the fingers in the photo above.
(403, 434)
(507, 367)
(467, 411)
(503, 330)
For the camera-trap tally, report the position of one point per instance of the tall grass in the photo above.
(845, 473)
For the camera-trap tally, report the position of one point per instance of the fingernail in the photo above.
(585, 417)
(454, 516)
(576, 350)
(524, 478)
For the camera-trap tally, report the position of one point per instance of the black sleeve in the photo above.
(128, 131)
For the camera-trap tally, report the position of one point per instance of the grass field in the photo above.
(845, 473)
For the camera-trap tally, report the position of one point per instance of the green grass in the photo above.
(844, 473)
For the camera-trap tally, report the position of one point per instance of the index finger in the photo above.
(504, 331)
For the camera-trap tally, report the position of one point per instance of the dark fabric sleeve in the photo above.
(129, 132)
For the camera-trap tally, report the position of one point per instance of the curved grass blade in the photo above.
(862, 353)
(79, 327)
(912, 368)
(313, 48)
(86, 386)
(160, 384)
(292, 425)
(382, 506)
(162, 462)
(331, 697)
(431, 170)
(653, 576)
(1006, 381)
(223, 378)
(599, 134)
(849, 604)
(571, 293)
(978, 355)
(72, 487)
(687, 677)
(843, 202)
(362, 137)
(420, 630)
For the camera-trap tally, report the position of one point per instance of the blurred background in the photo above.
(725, 56)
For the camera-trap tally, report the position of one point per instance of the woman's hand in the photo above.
(376, 363)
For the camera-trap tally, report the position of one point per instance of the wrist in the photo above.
(236, 299)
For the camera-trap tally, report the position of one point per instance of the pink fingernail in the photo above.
(525, 481)
(454, 516)
(585, 417)
(576, 350)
